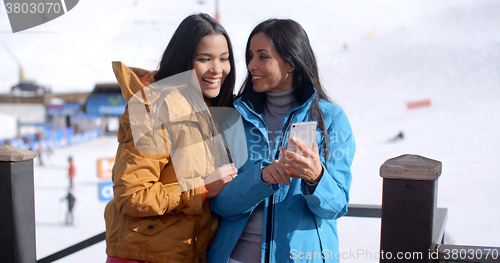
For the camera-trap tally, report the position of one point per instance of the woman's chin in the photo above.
(259, 89)
(210, 93)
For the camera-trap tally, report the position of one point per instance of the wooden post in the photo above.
(408, 208)
(17, 209)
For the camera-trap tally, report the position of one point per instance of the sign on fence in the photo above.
(104, 167)
(106, 191)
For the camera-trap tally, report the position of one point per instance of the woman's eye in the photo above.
(203, 59)
(263, 57)
(224, 59)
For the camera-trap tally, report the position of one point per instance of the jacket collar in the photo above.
(256, 100)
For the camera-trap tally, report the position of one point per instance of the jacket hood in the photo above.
(131, 80)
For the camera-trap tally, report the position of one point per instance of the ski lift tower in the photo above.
(13, 56)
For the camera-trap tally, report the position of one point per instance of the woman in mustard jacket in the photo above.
(166, 149)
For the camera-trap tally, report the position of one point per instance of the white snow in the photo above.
(373, 56)
(9, 126)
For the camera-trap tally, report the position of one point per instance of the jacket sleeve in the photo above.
(243, 193)
(138, 190)
(331, 196)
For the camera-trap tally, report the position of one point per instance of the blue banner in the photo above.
(106, 191)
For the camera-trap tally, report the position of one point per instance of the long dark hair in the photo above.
(179, 54)
(292, 43)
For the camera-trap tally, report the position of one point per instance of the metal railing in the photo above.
(74, 248)
(354, 210)
(411, 222)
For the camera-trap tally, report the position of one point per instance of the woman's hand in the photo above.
(218, 179)
(307, 167)
(275, 174)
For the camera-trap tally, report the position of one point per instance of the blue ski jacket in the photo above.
(298, 226)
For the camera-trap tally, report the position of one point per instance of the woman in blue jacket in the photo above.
(283, 207)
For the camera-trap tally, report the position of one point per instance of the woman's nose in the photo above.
(216, 68)
(252, 65)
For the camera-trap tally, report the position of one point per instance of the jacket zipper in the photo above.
(270, 205)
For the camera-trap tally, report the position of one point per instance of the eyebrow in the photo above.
(208, 54)
(263, 49)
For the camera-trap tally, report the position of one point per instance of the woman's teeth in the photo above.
(212, 81)
(257, 77)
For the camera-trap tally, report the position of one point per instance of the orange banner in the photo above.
(104, 167)
(418, 104)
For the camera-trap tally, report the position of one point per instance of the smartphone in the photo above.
(304, 131)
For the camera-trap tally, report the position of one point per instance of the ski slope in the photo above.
(374, 58)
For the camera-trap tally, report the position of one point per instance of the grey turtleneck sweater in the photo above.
(276, 108)
(248, 248)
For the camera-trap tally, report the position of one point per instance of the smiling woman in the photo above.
(154, 217)
(270, 72)
(283, 201)
(208, 45)
(211, 63)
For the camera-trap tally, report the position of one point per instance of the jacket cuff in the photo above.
(309, 187)
(174, 201)
(265, 163)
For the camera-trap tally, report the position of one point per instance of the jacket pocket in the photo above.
(152, 225)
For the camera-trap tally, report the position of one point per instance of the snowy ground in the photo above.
(374, 57)
(51, 186)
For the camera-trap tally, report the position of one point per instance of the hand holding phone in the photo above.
(305, 132)
(307, 167)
